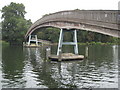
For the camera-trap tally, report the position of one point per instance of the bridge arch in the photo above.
(101, 21)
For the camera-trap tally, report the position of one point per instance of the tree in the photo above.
(14, 25)
(50, 34)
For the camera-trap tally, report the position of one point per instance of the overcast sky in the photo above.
(37, 8)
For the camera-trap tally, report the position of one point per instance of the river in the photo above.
(27, 68)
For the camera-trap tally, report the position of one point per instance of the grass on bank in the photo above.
(4, 43)
(87, 43)
(98, 43)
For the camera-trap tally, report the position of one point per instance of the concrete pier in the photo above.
(66, 57)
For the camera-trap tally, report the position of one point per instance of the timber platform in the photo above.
(32, 45)
(66, 57)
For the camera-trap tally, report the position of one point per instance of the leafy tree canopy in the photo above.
(14, 25)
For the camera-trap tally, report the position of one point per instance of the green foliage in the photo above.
(4, 43)
(68, 36)
(52, 34)
(14, 25)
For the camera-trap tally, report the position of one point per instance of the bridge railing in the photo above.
(99, 17)
(96, 15)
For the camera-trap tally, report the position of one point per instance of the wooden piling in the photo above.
(86, 52)
(60, 55)
(48, 53)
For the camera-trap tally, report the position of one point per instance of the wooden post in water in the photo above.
(36, 40)
(86, 52)
(29, 40)
(48, 52)
(60, 54)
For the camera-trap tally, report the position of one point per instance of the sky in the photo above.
(37, 8)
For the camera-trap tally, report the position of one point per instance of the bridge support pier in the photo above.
(67, 43)
(34, 40)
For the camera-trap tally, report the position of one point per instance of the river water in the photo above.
(27, 68)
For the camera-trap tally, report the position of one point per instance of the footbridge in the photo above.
(101, 21)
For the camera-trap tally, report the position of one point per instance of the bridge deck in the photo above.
(102, 21)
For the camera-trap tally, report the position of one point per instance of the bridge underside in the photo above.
(101, 21)
(81, 26)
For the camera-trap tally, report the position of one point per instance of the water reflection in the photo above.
(32, 57)
(28, 68)
(0, 64)
(12, 67)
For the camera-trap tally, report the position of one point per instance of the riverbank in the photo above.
(4, 42)
(94, 43)
(98, 43)
(87, 43)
